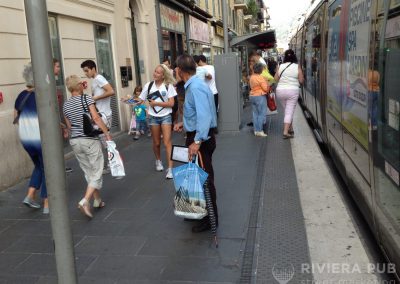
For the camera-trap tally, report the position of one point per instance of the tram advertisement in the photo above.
(354, 104)
(333, 88)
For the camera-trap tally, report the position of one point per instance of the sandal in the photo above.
(291, 132)
(287, 136)
(85, 208)
(98, 203)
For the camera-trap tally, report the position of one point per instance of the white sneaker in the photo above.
(261, 134)
(169, 174)
(159, 166)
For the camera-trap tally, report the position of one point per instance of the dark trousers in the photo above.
(216, 102)
(206, 150)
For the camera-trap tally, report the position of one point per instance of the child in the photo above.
(139, 110)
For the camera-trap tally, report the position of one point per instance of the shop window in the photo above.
(105, 64)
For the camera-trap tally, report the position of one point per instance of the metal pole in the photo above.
(225, 21)
(50, 133)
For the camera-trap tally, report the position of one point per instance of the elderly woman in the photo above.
(289, 78)
(161, 93)
(25, 114)
(258, 90)
(87, 148)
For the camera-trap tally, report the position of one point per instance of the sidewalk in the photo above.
(136, 238)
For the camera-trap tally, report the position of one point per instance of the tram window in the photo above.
(389, 111)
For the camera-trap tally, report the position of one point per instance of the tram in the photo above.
(350, 54)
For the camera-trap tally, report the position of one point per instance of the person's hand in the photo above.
(152, 103)
(108, 136)
(65, 133)
(178, 127)
(193, 150)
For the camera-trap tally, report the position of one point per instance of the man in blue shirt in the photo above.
(199, 121)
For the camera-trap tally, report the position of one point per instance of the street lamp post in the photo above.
(225, 20)
(50, 133)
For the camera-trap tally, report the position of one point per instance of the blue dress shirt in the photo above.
(199, 112)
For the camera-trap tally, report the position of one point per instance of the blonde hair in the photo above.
(72, 83)
(28, 75)
(168, 76)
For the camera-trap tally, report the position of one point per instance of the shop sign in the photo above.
(199, 30)
(219, 31)
(171, 19)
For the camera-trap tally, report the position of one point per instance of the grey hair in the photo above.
(28, 75)
(258, 68)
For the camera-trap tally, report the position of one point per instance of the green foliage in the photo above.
(252, 8)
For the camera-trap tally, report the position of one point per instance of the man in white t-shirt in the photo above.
(101, 92)
(207, 72)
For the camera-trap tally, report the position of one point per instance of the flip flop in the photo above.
(287, 136)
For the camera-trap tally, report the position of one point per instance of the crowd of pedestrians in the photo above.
(179, 98)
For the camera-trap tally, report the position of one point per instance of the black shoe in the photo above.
(203, 226)
(68, 170)
(190, 220)
(250, 124)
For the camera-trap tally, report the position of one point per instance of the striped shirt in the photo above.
(73, 111)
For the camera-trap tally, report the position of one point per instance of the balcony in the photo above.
(240, 5)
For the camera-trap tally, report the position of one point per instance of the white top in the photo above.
(289, 80)
(102, 105)
(262, 61)
(211, 83)
(166, 94)
(201, 72)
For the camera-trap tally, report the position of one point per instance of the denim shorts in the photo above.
(155, 120)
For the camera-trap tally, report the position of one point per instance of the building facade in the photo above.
(126, 38)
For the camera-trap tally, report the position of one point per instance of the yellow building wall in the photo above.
(75, 21)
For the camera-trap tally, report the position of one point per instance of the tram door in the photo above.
(384, 121)
(313, 64)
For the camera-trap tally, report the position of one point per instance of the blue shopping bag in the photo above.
(189, 200)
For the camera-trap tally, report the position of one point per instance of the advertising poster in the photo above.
(355, 99)
(333, 88)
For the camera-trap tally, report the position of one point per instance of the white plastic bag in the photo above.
(189, 201)
(115, 161)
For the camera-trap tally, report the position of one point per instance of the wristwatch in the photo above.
(197, 142)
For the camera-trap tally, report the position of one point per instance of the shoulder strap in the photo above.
(280, 75)
(23, 102)
(85, 107)
(149, 87)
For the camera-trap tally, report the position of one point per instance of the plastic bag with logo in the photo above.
(189, 200)
(115, 160)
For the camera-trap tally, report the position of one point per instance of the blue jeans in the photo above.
(259, 104)
(38, 180)
(141, 125)
(156, 120)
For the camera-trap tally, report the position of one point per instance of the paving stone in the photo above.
(8, 261)
(128, 267)
(31, 227)
(106, 245)
(194, 268)
(45, 265)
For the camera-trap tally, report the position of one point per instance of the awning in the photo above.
(259, 40)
